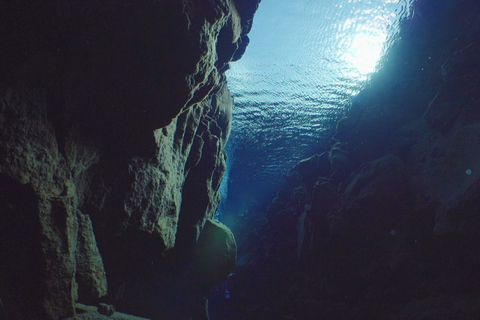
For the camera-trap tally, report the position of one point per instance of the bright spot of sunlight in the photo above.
(364, 51)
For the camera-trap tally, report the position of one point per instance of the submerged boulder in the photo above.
(216, 254)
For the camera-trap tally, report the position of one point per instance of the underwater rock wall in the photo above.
(113, 120)
(384, 224)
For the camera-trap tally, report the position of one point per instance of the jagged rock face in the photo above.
(384, 224)
(113, 120)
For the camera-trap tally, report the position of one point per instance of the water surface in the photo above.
(305, 61)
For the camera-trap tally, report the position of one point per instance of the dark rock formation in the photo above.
(385, 223)
(113, 119)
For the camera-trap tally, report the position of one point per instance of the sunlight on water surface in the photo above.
(305, 61)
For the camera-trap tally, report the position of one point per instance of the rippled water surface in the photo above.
(305, 61)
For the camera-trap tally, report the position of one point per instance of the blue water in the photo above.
(305, 61)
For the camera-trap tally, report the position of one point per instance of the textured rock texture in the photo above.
(113, 119)
(384, 224)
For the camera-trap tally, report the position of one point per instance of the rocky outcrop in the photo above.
(384, 223)
(113, 120)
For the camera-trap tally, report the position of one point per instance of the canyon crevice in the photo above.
(114, 116)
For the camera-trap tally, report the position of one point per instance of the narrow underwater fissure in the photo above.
(304, 64)
(113, 122)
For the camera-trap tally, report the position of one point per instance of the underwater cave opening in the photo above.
(305, 61)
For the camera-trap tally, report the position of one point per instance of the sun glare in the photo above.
(364, 51)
